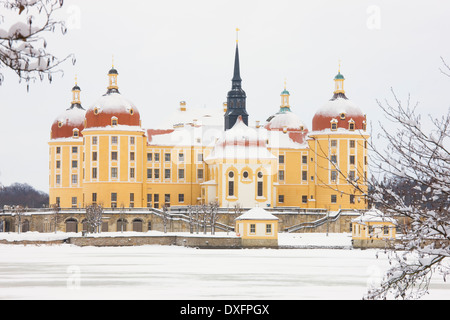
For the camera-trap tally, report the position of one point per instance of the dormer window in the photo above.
(351, 125)
(60, 124)
(342, 116)
(364, 126)
(131, 111)
(76, 133)
(334, 125)
(96, 111)
(114, 121)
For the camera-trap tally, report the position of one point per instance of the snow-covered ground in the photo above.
(170, 272)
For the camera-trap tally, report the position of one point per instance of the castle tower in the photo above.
(236, 100)
(66, 150)
(338, 145)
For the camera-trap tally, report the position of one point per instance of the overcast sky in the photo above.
(174, 50)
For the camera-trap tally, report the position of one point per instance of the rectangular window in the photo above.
(305, 159)
(131, 197)
(281, 158)
(260, 189)
(74, 179)
(166, 173)
(114, 140)
(58, 179)
(333, 143)
(113, 200)
(181, 174)
(351, 175)
(304, 175)
(58, 150)
(352, 159)
(156, 173)
(333, 198)
(181, 198)
(352, 144)
(58, 164)
(156, 157)
(230, 188)
(281, 198)
(131, 156)
(74, 164)
(268, 228)
(252, 228)
(132, 173)
(94, 140)
(94, 156)
(94, 198)
(149, 200)
(167, 199)
(114, 155)
(333, 175)
(149, 174)
(181, 157)
(200, 173)
(200, 157)
(132, 140)
(74, 202)
(352, 199)
(114, 173)
(167, 157)
(74, 149)
(304, 199)
(94, 173)
(149, 156)
(281, 175)
(333, 158)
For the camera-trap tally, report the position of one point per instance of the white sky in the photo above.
(174, 50)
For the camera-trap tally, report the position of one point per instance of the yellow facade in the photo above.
(121, 166)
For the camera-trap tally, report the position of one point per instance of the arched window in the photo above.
(114, 121)
(71, 225)
(260, 184)
(231, 184)
(137, 225)
(121, 225)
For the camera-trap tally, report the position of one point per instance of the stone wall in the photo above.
(166, 240)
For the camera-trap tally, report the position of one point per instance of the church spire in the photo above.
(236, 100)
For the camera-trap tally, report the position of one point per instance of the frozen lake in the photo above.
(157, 272)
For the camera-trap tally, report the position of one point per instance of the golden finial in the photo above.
(340, 65)
(76, 79)
(113, 61)
(285, 80)
(237, 34)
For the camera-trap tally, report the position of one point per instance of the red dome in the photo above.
(67, 122)
(112, 106)
(341, 111)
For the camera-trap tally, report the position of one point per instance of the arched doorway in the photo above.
(121, 225)
(71, 225)
(137, 225)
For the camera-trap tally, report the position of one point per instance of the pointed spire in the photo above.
(237, 70)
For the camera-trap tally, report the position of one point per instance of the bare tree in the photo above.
(165, 217)
(418, 155)
(94, 215)
(23, 46)
(56, 209)
(18, 212)
(213, 208)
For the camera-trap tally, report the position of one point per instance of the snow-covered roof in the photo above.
(257, 214)
(113, 103)
(241, 142)
(288, 120)
(72, 117)
(374, 215)
(340, 105)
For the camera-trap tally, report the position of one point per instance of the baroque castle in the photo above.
(102, 155)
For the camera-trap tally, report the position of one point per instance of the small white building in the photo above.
(373, 229)
(257, 228)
